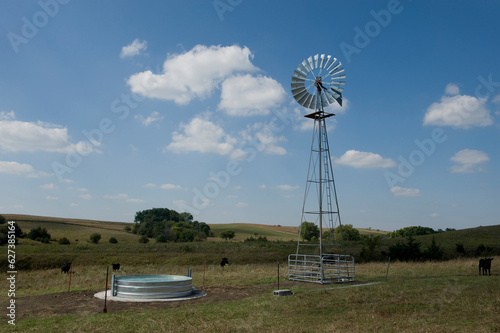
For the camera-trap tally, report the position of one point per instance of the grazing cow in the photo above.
(65, 267)
(224, 262)
(485, 264)
(115, 267)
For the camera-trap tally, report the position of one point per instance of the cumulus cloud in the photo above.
(153, 117)
(287, 187)
(16, 136)
(133, 48)
(19, 169)
(247, 95)
(307, 124)
(203, 136)
(49, 186)
(460, 111)
(405, 192)
(193, 74)
(468, 161)
(452, 89)
(359, 159)
(171, 187)
(123, 197)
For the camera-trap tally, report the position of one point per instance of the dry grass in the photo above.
(422, 297)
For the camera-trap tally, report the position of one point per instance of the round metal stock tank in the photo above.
(151, 286)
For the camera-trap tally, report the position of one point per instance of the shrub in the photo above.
(308, 231)
(433, 251)
(161, 239)
(39, 234)
(113, 240)
(95, 237)
(2, 219)
(143, 239)
(64, 241)
(228, 234)
(460, 248)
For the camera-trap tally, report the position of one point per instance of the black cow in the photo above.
(224, 262)
(65, 267)
(485, 264)
(115, 267)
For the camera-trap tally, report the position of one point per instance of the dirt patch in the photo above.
(84, 302)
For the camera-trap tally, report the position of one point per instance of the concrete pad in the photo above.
(195, 294)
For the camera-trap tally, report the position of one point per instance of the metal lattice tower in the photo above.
(316, 83)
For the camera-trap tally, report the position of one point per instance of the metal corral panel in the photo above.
(325, 269)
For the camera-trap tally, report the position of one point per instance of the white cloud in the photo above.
(359, 159)
(18, 136)
(48, 197)
(171, 187)
(153, 117)
(195, 73)
(468, 161)
(120, 196)
(460, 111)
(133, 48)
(49, 186)
(123, 197)
(150, 185)
(203, 136)
(307, 124)
(452, 89)
(85, 196)
(246, 95)
(405, 192)
(19, 169)
(132, 200)
(241, 204)
(287, 187)
(263, 138)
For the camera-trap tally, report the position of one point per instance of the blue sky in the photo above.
(109, 108)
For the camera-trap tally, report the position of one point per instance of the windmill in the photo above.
(316, 83)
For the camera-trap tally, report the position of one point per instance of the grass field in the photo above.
(446, 296)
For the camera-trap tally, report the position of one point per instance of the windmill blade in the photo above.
(310, 61)
(304, 97)
(329, 98)
(332, 70)
(322, 61)
(333, 62)
(311, 103)
(337, 72)
(301, 70)
(297, 91)
(296, 85)
(316, 58)
(297, 79)
(337, 83)
(299, 74)
(306, 66)
(300, 94)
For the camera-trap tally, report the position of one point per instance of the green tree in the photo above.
(347, 232)
(228, 234)
(309, 231)
(64, 241)
(39, 234)
(2, 219)
(143, 239)
(113, 240)
(4, 233)
(95, 237)
(433, 251)
(370, 245)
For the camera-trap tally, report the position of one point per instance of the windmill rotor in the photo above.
(318, 82)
